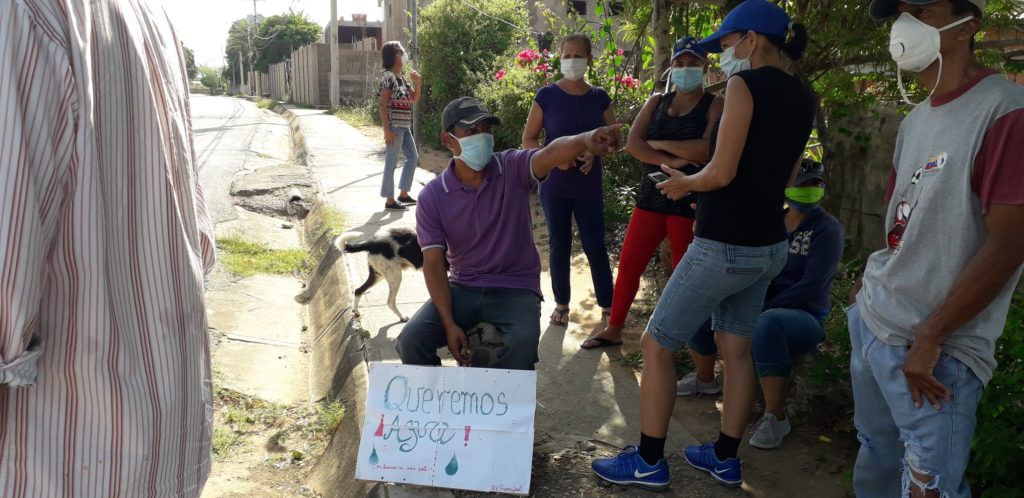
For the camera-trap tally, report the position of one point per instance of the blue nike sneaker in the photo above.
(628, 469)
(703, 457)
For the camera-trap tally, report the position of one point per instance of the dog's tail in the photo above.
(342, 241)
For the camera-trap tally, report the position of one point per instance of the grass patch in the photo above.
(328, 221)
(224, 441)
(306, 434)
(329, 414)
(358, 115)
(238, 415)
(245, 258)
(245, 414)
(267, 104)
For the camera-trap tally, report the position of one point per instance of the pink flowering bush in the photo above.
(627, 81)
(510, 92)
(543, 65)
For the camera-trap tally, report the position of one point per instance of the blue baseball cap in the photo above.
(760, 16)
(690, 45)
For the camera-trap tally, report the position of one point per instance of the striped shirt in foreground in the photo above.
(104, 241)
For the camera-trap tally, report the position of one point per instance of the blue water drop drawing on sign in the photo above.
(373, 457)
(453, 466)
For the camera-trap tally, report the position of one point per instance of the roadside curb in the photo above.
(338, 366)
(299, 154)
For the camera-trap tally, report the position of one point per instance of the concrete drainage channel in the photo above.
(338, 364)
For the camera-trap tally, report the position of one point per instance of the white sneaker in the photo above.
(690, 385)
(769, 432)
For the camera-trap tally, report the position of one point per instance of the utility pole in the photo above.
(258, 84)
(253, 53)
(241, 80)
(333, 40)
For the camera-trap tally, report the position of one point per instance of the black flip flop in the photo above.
(601, 343)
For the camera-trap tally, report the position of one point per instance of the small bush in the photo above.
(998, 449)
(367, 115)
(509, 98)
(330, 413)
(519, 74)
(455, 58)
(224, 441)
(622, 177)
(267, 104)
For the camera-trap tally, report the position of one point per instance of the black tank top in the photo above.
(749, 211)
(666, 127)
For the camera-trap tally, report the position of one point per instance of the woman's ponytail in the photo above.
(797, 42)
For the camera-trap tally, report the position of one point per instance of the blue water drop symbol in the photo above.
(453, 466)
(373, 457)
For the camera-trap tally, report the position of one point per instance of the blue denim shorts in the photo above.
(724, 281)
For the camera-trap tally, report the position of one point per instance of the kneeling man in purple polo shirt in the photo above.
(478, 211)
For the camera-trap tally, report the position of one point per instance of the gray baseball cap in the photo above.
(884, 9)
(465, 112)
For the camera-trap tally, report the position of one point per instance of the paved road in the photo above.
(231, 136)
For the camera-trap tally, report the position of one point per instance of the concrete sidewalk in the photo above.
(582, 395)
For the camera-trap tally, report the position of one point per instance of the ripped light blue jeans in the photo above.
(895, 436)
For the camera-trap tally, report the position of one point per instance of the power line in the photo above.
(528, 30)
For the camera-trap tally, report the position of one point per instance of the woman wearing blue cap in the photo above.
(673, 128)
(740, 242)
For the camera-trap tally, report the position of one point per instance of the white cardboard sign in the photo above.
(451, 427)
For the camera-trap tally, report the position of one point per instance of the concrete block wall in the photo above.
(310, 76)
(306, 74)
(323, 77)
(360, 72)
(277, 85)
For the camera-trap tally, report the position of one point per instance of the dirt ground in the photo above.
(814, 461)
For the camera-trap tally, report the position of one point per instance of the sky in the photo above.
(203, 25)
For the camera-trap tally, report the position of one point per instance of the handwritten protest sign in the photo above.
(463, 428)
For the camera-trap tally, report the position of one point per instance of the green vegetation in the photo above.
(245, 258)
(307, 434)
(998, 448)
(211, 77)
(278, 36)
(271, 41)
(224, 441)
(329, 414)
(267, 104)
(239, 415)
(455, 59)
(190, 62)
(366, 115)
(328, 220)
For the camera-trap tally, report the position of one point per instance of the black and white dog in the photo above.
(388, 254)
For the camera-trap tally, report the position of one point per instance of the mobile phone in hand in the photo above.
(658, 177)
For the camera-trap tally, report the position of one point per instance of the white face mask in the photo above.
(915, 45)
(574, 69)
(732, 65)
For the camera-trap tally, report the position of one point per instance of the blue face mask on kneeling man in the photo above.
(476, 150)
